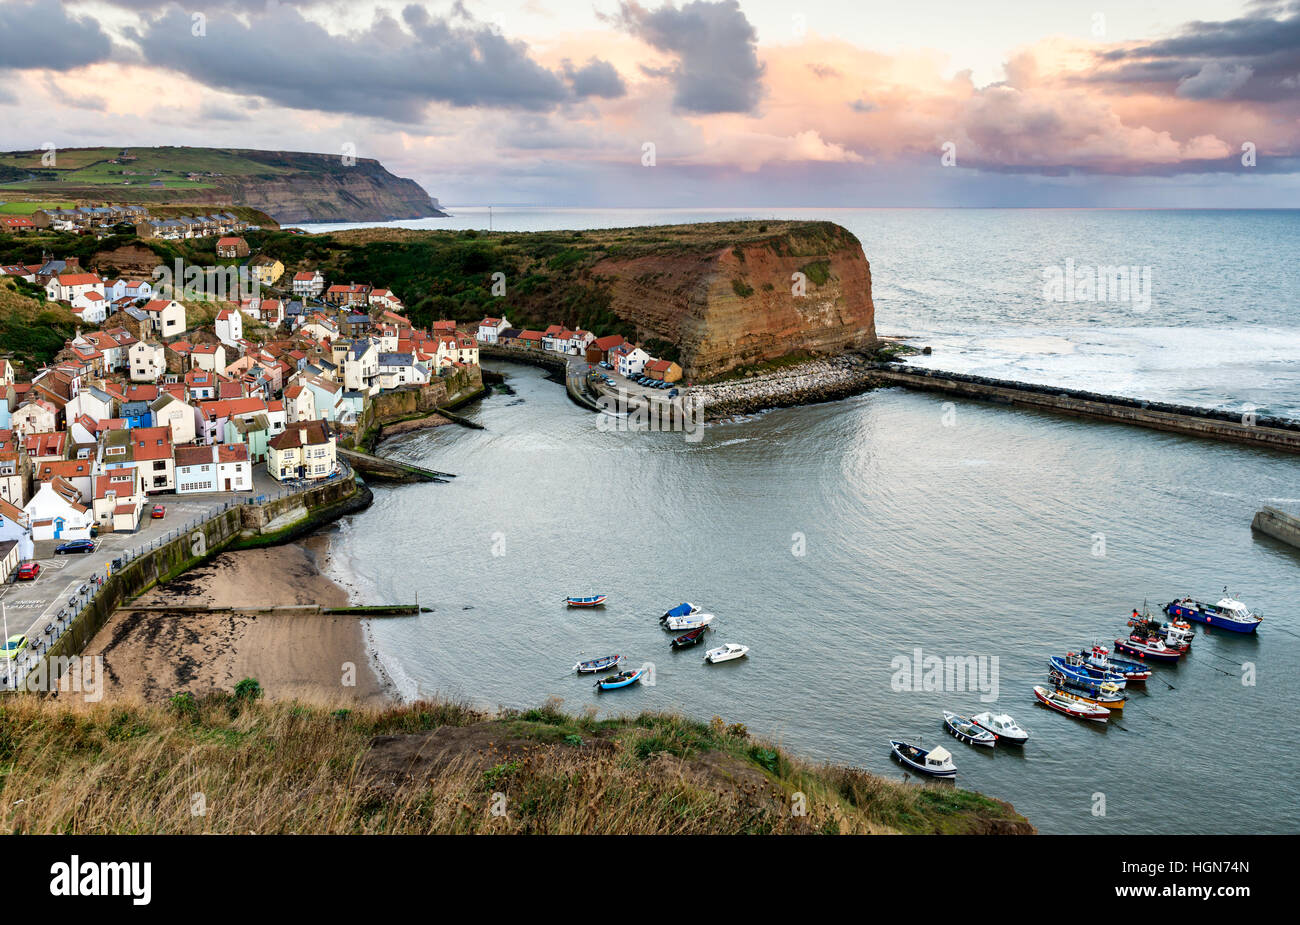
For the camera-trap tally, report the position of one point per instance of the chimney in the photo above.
(302, 435)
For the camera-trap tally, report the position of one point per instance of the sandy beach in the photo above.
(317, 658)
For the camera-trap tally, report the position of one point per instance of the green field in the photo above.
(91, 167)
(27, 208)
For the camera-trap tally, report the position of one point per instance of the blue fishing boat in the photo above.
(594, 665)
(622, 679)
(684, 609)
(1077, 670)
(1099, 657)
(595, 600)
(1228, 614)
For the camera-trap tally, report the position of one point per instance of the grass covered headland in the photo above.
(232, 763)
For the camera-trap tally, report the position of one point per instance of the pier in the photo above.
(1246, 427)
(382, 469)
(1278, 524)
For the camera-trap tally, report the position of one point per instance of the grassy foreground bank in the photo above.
(226, 763)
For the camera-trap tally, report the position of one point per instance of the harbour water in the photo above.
(841, 542)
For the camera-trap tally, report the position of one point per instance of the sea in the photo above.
(855, 545)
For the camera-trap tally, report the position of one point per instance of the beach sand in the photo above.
(152, 655)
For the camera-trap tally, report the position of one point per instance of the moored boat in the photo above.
(1147, 648)
(936, 762)
(1228, 614)
(595, 600)
(1006, 729)
(1099, 657)
(966, 730)
(1061, 703)
(595, 665)
(1107, 695)
(622, 679)
(726, 653)
(694, 637)
(1075, 667)
(693, 622)
(684, 609)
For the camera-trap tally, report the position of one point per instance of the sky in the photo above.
(706, 103)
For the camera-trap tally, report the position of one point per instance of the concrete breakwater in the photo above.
(1278, 524)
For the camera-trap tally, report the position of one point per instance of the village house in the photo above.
(265, 269)
(229, 326)
(119, 499)
(361, 367)
(399, 369)
(46, 447)
(14, 528)
(353, 294)
(232, 247)
(37, 415)
(208, 357)
(308, 284)
(69, 286)
(219, 467)
(14, 467)
(598, 350)
(57, 512)
(148, 361)
(90, 400)
(489, 329)
(177, 416)
(664, 370)
(299, 404)
(167, 317)
(304, 451)
(78, 473)
(90, 307)
(148, 448)
(628, 359)
(133, 289)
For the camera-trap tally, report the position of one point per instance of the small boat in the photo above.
(693, 622)
(1006, 729)
(594, 665)
(967, 730)
(1229, 614)
(1147, 648)
(1063, 703)
(593, 601)
(1107, 695)
(937, 761)
(1099, 657)
(622, 679)
(686, 640)
(1077, 669)
(725, 653)
(684, 609)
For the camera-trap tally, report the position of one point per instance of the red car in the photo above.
(158, 512)
(28, 571)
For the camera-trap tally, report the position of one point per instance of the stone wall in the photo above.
(1278, 524)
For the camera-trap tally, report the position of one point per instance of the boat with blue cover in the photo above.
(1078, 671)
(622, 679)
(684, 609)
(595, 600)
(1228, 614)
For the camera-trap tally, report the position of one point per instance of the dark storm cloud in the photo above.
(1253, 57)
(717, 67)
(41, 34)
(391, 69)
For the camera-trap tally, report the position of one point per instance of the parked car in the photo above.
(673, 393)
(14, 646)
(28, 571)
(159, 512)
(74, 546)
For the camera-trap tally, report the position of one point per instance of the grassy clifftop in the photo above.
(225, 764)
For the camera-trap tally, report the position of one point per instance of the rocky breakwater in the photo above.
(802, 384)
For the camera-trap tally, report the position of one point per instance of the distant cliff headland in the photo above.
(289, 186)
(715, 297)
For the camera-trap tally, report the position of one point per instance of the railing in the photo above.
(85, 594)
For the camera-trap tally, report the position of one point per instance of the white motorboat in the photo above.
(1008, 731)
(726, 653)
(692, 622)
(936, 762)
